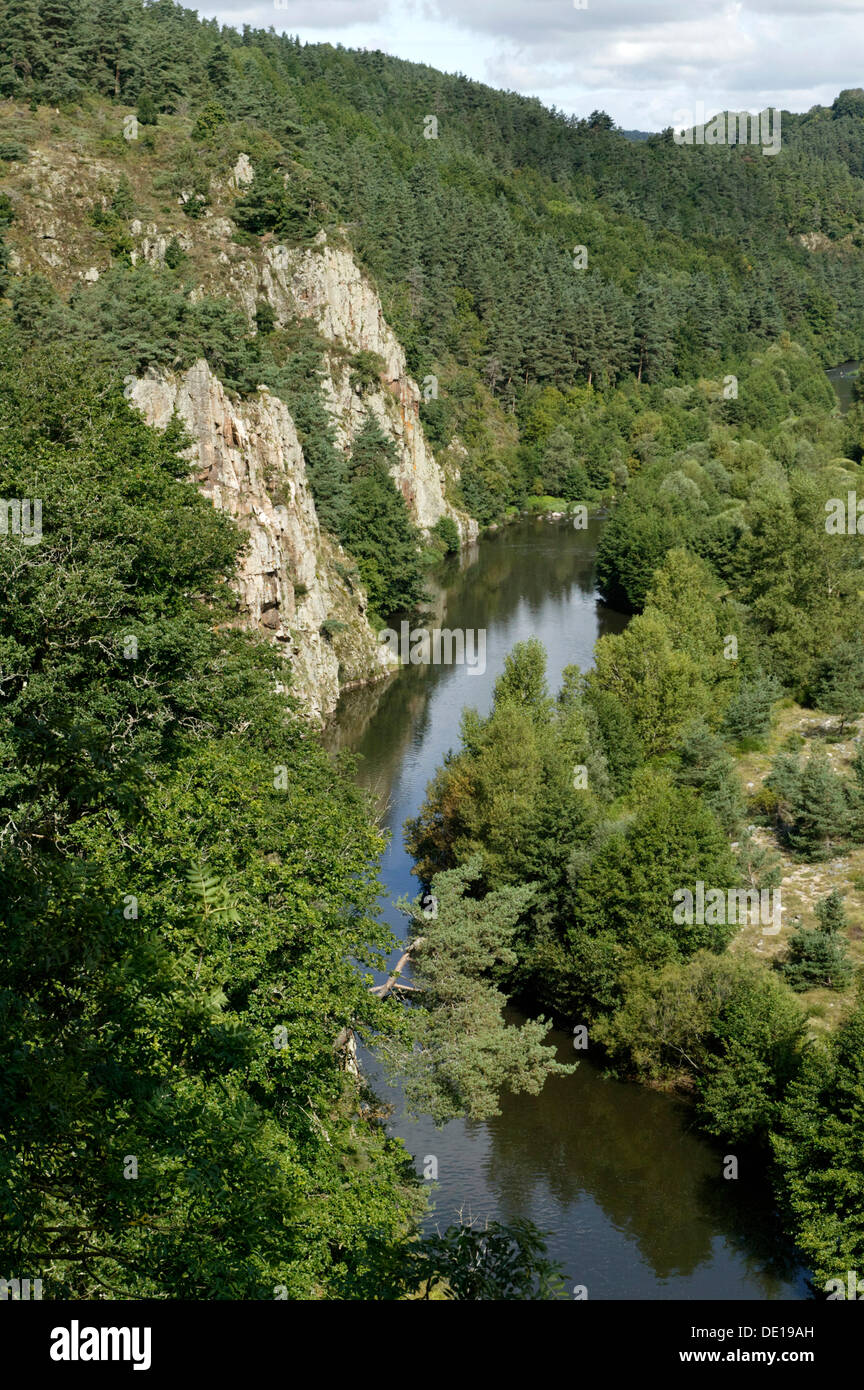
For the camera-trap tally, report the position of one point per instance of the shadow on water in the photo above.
(634, 1200)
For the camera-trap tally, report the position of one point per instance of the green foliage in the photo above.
(625, 892)
(707, 766)
(722, 1022)
(817, 1146)
(660, 686)
(509, 794)
(748, 714)
(840, 682)
(146, 109)
(209, 119)
(212, 894)
(288, 205)
(813, 805)
(468, 1052)
(174, 254)
(489, 1263)
(168, 990)
(446, 531)
(378, 530)
(366, 370)
(523, 681)
(819, 958)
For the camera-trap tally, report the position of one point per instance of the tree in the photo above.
(378, 530)
(447, 532)
(683, 594)
(464, 1051)
(660, 687)
(523, 680)
(812, 805)
(819, 958)
(626, 891)
(23, 51)
(817, 1147)
(563, 473)
(146, 108)
(272, 203)
(706, 765)
(748, 714)
(840, 682)
(210, 118)
(725, 1026)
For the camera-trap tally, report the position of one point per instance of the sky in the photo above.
(649, 64)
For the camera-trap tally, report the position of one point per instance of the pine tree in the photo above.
(819, 812)
(146, 108)
(24, 55)
(378, 531)
(840, 683)
(819, 957)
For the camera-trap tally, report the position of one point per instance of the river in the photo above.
(842, 378)
(634, 1201)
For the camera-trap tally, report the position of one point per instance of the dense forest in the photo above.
(189, 881)
(693, 255)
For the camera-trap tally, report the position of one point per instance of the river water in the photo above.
(843, 378)
(634, 1201)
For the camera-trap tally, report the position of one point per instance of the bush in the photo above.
(447, 532)
(748, 714)
(146, 109)
(211, 116)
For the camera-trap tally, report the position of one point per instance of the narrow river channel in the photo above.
(634, 1201)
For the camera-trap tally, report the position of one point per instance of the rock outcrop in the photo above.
(293, 579)
(325, 283)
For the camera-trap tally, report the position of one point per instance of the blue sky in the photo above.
(645, 63)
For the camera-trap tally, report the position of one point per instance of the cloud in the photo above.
(639, 59)
(296, 15)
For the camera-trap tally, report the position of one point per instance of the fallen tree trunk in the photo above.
(346, 1041)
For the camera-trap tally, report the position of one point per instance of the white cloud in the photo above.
(639, 59)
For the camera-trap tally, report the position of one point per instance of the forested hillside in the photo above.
(694, 255)
(188, 881)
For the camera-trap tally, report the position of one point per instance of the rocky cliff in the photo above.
(295, 582)
(294, 578)
(325, 284)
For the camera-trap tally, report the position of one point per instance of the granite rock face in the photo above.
(325, 284)
(293, 577)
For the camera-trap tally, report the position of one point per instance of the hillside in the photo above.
(282, 326)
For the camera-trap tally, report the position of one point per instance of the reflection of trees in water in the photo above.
(630, 1150)
(751, 1223)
